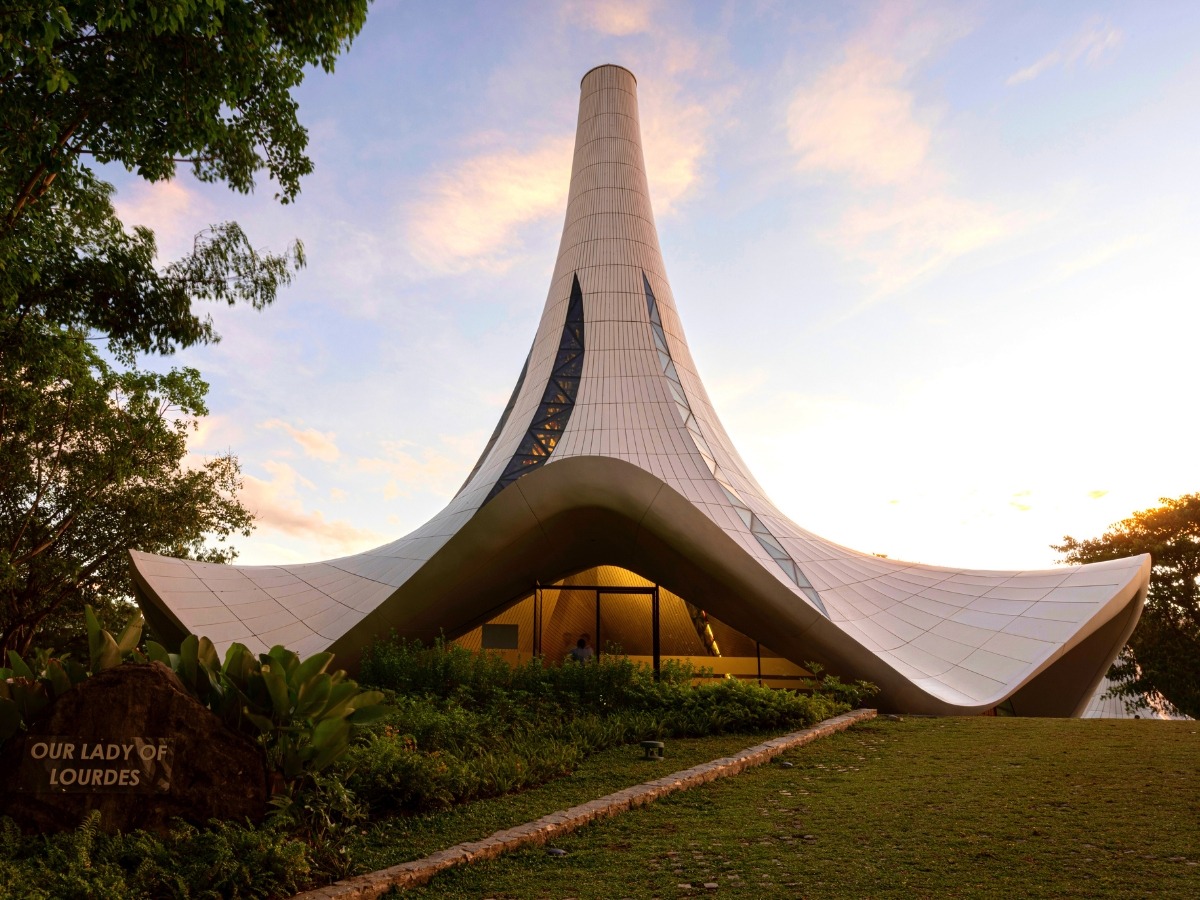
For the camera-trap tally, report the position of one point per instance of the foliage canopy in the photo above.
(1163, 653)
(93, 450)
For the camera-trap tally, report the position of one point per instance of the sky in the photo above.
(936, 263)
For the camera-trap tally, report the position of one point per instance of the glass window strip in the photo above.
(558, 399)
(760, 531)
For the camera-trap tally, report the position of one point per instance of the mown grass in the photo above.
(923, 808)
(401, 838)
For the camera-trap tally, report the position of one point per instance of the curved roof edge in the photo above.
(586, 511)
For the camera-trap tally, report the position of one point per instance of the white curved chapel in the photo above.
(609, 453)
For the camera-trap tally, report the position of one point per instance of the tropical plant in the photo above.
(303, 714)
(26, 688)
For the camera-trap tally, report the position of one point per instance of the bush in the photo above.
(467, 725)
(222, 860)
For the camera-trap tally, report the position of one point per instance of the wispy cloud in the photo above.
(213, 434)
(431, 470)
(1096, 41)
(471, 213)
(860, 121)
(317, 444)
(277, 506)
(175, 213)
(857, 119)
(674, 141)
(614, 17)
(899, 242)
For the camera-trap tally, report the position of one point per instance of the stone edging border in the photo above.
(419, 871)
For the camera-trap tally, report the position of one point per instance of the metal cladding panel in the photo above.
(935, 639)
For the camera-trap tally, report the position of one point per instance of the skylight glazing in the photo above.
(756, 526)
(558, 400)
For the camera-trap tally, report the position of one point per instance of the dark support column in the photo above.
(758, 656)
(537, 619)
(654, 633)
(597, 625)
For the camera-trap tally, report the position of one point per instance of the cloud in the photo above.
(619, 18)
(173, 212)
(1022, 501)
(899, 242)
(1096, 41)
(1095, 257)
(276, 506)
(471, 214)
(213, 434)
(432, 470)
(858, 122)
(674, 141)
(319, 445)
(857, 119)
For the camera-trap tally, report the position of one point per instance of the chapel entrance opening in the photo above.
(616, 611)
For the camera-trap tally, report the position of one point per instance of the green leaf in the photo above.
(318, 662)
(109, 655)
(206, 654)
(286, 659)
(20, 669)
(76, 671)
(365, 715)
(331, 737)
(156, 652)
(188, 661)
(313, 695)
(95, 639)
(58, 678)
(262, 723)
(277, 687)
(30, 700)
(132, 634)
(338, 704)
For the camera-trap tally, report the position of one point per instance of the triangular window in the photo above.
(558, 400)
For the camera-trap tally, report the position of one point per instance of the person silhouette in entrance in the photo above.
(582, 652)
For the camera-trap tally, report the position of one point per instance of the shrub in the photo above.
(222, 860)
(465, 725)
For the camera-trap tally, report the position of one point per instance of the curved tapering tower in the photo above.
(610, 452)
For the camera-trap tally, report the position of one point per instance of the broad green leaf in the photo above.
(132, 634)
(207, 655)
(95, 641)
(287, 660)
(313, 695)
(158, 653)
(19, 668)
(318, 662)
(109, 655)
(58, 678)
(188, 663)
(365, 715)
(331, 737)
(277, 687)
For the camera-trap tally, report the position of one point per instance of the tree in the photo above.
(92, 449)
(1163, 654)
(91, 464)
(147, 85)
(146, 82)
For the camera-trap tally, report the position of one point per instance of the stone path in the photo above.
(420, 871)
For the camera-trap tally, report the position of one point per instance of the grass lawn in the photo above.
(402, 838)
(922, 807)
